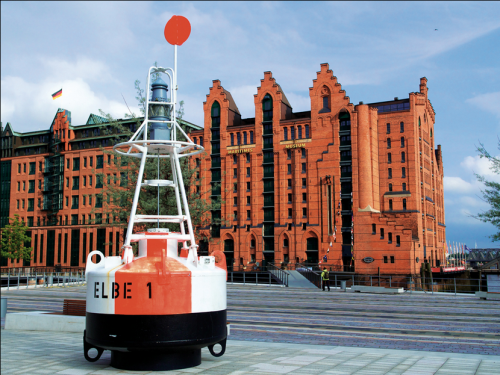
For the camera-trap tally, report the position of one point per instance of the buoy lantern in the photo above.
(155, 310)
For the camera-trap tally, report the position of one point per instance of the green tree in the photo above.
(120, 178)
(14, 239)
(491, 192)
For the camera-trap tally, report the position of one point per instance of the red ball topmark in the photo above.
(177, 30)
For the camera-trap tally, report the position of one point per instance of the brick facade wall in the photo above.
(317, 159)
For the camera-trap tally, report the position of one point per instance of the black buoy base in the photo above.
(156, 360)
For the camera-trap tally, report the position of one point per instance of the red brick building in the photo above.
(365, 178)
(50, 178)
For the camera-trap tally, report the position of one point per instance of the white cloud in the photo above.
(82, 67)
(473, 202)
(32, 105)
(481, 166)
(489, 102)
(457, 185)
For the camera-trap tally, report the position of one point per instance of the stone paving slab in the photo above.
(35, 352)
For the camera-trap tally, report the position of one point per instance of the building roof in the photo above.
(284, 98)
(232, 104)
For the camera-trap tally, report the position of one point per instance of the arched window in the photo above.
(325, 95)
(292, 132)
(232, 139)
(389, 158)
(215, 115)
(401, 127)
(285, 242)
(402, 141)
(431, 133)
(390, 187)
(388, 143)
(403, 157)
(238, 136)
(300, 132)
(307, 131)
(251, 137)
(267, 108)
(419, 123)
(345, 120)
(285, 134)
(244, 138)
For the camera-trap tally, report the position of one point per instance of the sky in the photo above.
(378, 50)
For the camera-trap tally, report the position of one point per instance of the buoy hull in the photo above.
(129, 333)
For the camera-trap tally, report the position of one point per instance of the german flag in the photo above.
(57, 94)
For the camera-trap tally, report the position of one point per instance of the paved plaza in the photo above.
(297, 331)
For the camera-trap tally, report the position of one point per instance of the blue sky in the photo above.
(378, 50)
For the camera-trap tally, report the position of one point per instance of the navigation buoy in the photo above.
(156, 309)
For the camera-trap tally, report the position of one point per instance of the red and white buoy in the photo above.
(155, 310)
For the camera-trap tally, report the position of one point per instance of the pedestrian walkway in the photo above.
(30, 352)
(296, 280)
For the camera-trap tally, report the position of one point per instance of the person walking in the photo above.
(325, 276)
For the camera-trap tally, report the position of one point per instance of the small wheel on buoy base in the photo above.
(222, 351)
(87, 348)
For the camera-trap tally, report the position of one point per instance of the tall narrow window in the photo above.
(285, 134)
(300, 132)
(267, 108)
(201, 141)
(389, 173)
(388, 128)
(232, 139)
(244, 138)
(389, 237)
(215, 115)
(325, 95)
(238, 136)
(390, 204)
(404, 204)
(402, 141)
(403, 157)
(398, 243)
(404, 186)
(401, 127)
(248, 158)
(251, 137)
(381, 233)
(403, 172)
(307, 131)
(390, 187)
(292, 132)
(374, 228)
(389, 158)
(388, 143)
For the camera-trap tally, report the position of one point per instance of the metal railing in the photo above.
(409, 284)
(279, 273)
(253, 278)
(42, 279)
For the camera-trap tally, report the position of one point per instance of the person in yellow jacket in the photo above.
(325, 276)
